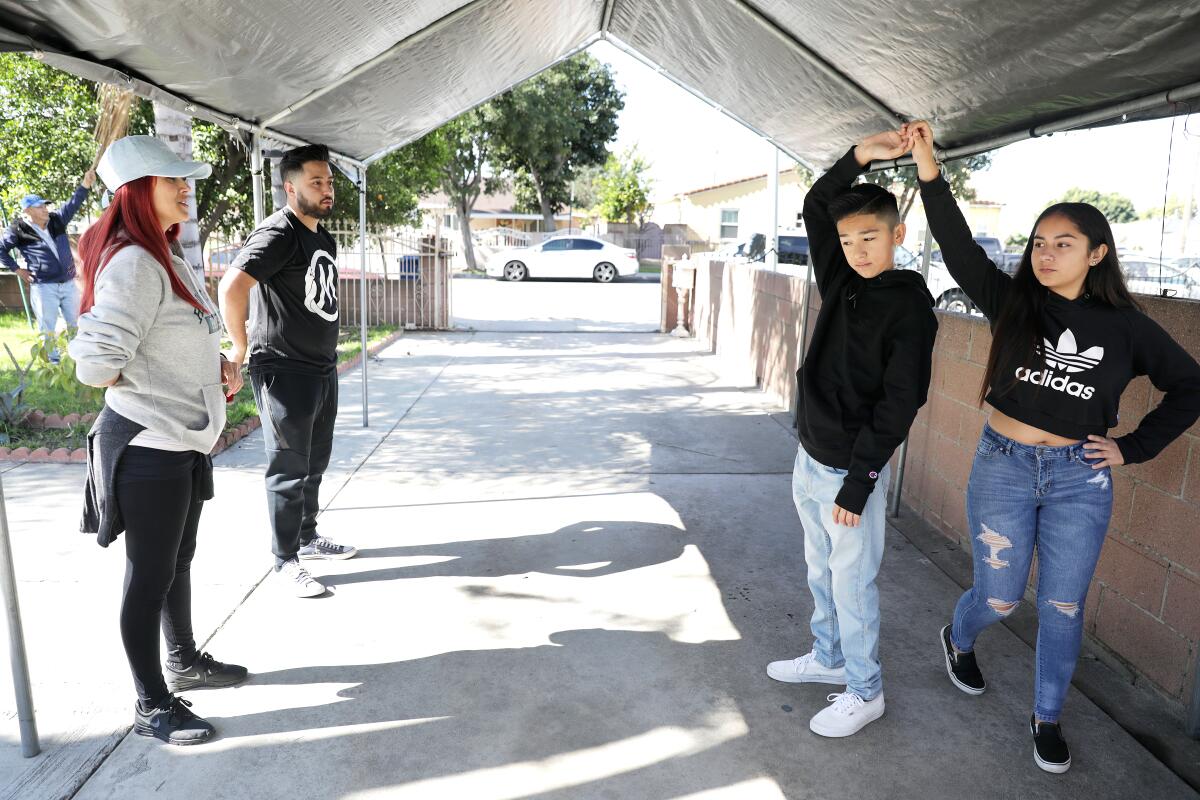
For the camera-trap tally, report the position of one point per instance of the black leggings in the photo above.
(157, 494)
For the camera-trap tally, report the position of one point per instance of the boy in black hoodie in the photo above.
(863, 379)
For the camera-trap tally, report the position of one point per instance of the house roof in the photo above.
(366, 76)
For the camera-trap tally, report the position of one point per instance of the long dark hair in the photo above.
(1017, 333)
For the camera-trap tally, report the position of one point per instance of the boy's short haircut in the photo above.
(866, 198)
(293, 161)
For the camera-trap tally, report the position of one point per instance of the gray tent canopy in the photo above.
(367, 76)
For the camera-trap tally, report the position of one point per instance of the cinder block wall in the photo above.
(1144, 604)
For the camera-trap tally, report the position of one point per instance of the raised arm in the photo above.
(71, 207)
(983, 281)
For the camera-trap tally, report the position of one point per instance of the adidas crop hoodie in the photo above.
(1090, 352)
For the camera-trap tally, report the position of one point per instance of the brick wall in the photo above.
(1144, 604)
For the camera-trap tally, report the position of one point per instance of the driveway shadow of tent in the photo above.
(588, 549)
(597, 712)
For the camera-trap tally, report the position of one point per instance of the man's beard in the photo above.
(313, 209)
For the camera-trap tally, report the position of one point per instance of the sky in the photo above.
(690, 145)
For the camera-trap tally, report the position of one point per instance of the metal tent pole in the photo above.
(898, 483)
(16, 641)
(803, 337)
(772, 257)
(256, 176)
(362, 282)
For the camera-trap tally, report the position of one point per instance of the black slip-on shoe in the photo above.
(961, 667)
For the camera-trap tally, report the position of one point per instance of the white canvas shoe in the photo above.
(846, 715)
(806, 669)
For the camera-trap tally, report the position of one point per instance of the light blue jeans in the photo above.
(1023, 498)
(842, 565)
(48, 299)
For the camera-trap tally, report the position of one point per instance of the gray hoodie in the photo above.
(166, 352)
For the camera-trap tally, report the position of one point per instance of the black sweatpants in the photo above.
(158, 495)
(297, 411)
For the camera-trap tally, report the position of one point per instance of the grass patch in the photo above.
(14, 331)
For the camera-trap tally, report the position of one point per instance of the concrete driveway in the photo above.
(561, 305)
(578, 553)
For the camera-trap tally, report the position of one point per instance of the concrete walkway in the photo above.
(578, 555)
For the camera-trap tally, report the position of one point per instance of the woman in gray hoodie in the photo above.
(149, 333)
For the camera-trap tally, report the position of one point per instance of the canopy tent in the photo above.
(366, 76)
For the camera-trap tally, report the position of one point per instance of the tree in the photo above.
(1116, 207)
(1174, 208)
(468, 142)
(903, 180)
(394, 186)
(47, 118)
(1017, 240)
(225, 200)
(624, 189)
(552, 125)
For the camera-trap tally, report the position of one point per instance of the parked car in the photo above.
(1145, 275)
(945, 290)
(793, 250)
(565, 257)
(995, 251)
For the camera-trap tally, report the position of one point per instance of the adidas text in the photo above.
(1060, 383)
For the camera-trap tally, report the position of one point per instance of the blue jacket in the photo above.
(45, 265)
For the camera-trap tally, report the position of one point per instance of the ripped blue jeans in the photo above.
(1020, 498)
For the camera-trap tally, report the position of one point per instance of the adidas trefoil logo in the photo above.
(1066, 355)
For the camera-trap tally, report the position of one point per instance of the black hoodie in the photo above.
(867, 370)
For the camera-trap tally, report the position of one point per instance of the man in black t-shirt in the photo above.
(286, 274)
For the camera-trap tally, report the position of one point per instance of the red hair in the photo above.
(129, 220)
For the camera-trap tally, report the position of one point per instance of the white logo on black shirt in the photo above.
(1064, 356)
(320, 287)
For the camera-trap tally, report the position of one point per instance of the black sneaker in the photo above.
(204, 673)
(172, 722)
(322, 548)
(961, 667)
(1050, 749)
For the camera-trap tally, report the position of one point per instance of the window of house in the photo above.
(729, 223)
(799, 219)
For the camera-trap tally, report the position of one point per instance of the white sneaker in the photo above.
(293, 578)
(806, 669)
(847, 715)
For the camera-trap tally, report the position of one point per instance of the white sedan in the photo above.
(565, 257)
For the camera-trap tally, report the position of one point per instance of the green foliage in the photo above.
(1017, 240)
(552, 125)
(1174, 208)
(59, 378)
(224, 201)
(623, 188)
(46, 123)
(394, 186)
(12, 401)
(903, 180)
(1116, 207)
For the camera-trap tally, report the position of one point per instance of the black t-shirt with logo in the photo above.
(294, 308)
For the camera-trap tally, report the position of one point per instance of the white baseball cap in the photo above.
(134, 157)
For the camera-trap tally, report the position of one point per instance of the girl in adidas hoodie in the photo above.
(1067, 338)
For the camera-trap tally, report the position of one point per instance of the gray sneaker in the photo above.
(293, 578)
(326, 550)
